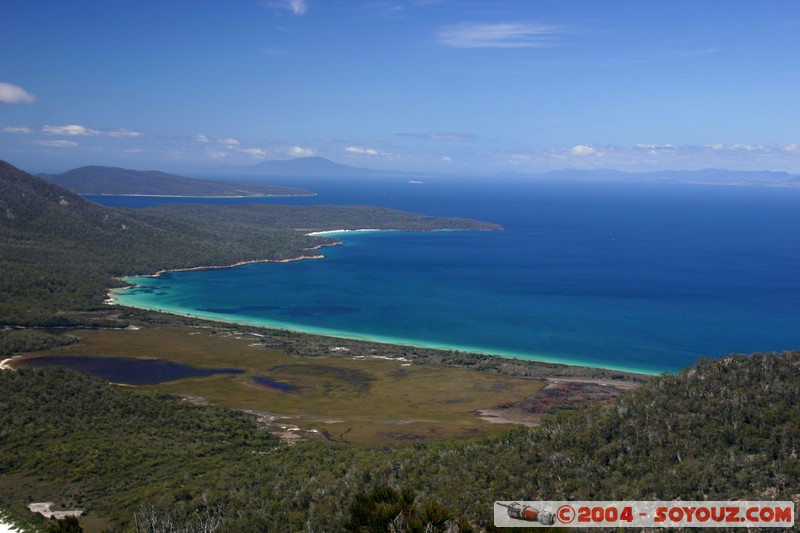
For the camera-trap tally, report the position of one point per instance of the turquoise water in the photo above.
(646, 276)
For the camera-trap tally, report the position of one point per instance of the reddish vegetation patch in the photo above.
(565, 397)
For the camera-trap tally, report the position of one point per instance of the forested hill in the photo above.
(59, 252)
(309, 218)
(114, 180)
(726, 429)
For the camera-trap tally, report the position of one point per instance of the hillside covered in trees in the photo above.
(114, 180)
(60, 252)
(724, 429)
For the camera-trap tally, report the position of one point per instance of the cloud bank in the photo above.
(14, 94)
(299, 151)
(17, 129)
(645, 156)
(359, 150)
(78, 130)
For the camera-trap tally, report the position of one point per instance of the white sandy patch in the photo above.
(45, 509)
(326, 232)
(6, 527)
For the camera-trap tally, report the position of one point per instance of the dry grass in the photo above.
(369, 401)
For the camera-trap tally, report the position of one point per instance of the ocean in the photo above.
(641, 276)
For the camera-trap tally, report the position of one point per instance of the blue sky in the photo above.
(447, 86)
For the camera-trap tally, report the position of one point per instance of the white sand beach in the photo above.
(326, 232)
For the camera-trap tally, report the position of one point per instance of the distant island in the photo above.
(120, 181)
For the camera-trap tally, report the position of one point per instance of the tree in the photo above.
(69, 524)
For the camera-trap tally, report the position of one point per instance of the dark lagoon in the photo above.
(126, 370)
(272, 384)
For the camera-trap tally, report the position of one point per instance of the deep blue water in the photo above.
(127, 370)
(646, 276)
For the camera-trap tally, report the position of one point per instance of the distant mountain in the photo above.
(307, 166)
(113, 180)
(312, 167)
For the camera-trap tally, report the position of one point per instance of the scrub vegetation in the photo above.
(724, 429)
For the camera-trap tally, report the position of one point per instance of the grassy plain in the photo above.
(365, 400)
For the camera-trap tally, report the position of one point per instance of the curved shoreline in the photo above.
(110, 297)
(234, 265)
(382, 339)
(111, 293)
(310, 330)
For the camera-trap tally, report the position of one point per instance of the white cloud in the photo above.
(17, 129)
(656, 157)
(14, 94)
(216, 154)
(297, 7)
(447, 159)
(739, 147)
(122, 133)
(358, 150)
(503, 35)
(72, 129)
(299, 151)
(229, 141)
(78, 130)
(57, 144)
(201, 138)
(654, 149)
(255, 152)
(748, 147)
(519, 158)
(582, 150)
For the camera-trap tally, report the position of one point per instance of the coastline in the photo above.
(382, 339)
(111, 300)
(113, 294)
(234, 265)
(336, 231)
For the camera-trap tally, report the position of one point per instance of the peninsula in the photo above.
(101, 180)
(60, 252)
